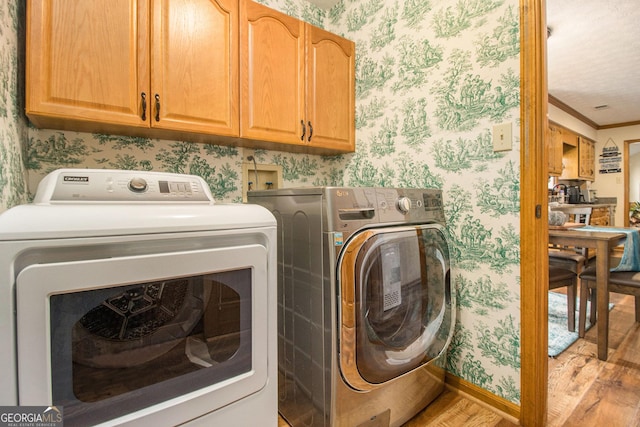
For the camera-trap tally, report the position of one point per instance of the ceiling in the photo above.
(593, 55)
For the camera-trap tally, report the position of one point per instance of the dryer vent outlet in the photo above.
(260, 177)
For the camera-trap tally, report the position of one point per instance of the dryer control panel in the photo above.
(104, 185)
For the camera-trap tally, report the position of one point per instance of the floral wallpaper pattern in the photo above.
(220, 166)
(13, 125)
(432, 79)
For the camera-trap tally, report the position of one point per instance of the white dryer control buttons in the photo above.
(404, 204)
(138, 185)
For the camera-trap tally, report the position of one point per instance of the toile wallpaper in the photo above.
(13, 124)
(432, 78)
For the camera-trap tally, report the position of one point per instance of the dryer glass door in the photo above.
(129, 338)
(396, 302)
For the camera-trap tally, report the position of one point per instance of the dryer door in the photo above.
(153, 339)
(396, 304)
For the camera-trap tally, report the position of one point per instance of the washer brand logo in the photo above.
(76, 179)
(31, 416)
(342, 193)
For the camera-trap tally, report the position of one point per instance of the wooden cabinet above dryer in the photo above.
(171, 69)
(120, 65)
(297, 81)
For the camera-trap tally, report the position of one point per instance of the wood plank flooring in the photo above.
(452, 409)
(583, 390)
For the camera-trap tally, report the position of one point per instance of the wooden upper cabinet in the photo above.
(190, 69)
(577, 154)
(297, 83)
(330, 90)
(114, 62)
(587, 159)
(554, 150)
(194, 66)
(83, 63)
(272, 91)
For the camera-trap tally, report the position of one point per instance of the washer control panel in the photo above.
(351, 208)
(104, 185)
(409, 205)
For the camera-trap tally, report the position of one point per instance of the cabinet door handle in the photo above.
(310, 132)
(304, 130)
(157, 107)
(144, 106)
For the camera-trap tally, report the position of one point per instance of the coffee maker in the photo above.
(573, 194)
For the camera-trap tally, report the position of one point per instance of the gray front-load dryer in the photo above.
(365, 305)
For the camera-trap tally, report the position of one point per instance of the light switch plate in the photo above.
(502, 140)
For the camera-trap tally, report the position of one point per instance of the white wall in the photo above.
(562, 118)
(612, 185)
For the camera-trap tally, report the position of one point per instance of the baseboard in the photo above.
(506, 409)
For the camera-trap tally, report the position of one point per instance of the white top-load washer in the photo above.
(130, 297)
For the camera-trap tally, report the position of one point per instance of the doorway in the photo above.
(631, 167)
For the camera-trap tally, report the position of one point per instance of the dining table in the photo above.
(602, 242)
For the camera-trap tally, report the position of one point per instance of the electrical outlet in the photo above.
(502, 140)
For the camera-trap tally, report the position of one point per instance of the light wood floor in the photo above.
(583, 391)
(451, 409)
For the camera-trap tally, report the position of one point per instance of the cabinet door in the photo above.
(86, 60)
(554, 150)
(330, 90)
(570, 157)
(587, 159)
(194, 66)
(272, 75)
(600, 217)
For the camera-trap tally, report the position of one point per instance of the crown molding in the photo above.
(564, 107)
(567, 109)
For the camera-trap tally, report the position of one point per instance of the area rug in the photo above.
(559, 336)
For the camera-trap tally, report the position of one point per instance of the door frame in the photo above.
(533, 214)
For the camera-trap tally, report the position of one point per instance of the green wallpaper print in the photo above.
(220, 166)
(432, 78)
(13, 127)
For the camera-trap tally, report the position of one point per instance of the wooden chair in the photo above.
(621, 282)
(572, 259)
(561, 277)
(580, 215)
(566, 264)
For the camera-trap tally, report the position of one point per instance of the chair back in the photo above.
(576, 214)
(581, 215)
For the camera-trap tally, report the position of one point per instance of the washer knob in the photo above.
(404, 204)
(138, 185)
